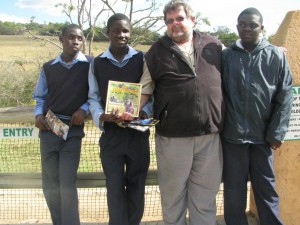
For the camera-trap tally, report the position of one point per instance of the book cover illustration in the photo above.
(123, 96)
(56, 125)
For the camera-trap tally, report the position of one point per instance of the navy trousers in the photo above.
(125, 157)
(256, 160)
(60, 161)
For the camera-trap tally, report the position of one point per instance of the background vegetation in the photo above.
(26, 46)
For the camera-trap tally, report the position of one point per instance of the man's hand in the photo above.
(78, 117)
(276, 145)
(41, 123)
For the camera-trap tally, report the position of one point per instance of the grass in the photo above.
(20, 47)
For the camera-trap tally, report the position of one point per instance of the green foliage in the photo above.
(139, 35)
(225, 35)
(52, 29)
(10, 28)
(228, 39)
(143, 36)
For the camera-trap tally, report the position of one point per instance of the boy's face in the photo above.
(72, 41)
(119, 33)
(249, 28)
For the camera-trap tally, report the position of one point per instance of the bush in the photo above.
(18, 79)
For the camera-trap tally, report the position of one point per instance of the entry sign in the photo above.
(18, 132)
(294, 127)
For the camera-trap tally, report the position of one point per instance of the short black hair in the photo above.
(69, 27)
(252, 11)
(116, 17)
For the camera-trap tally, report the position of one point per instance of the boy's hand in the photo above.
(78, 117)
(41, 123)
(276, 145)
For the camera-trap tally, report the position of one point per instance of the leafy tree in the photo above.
(225, 35)
(10, 28)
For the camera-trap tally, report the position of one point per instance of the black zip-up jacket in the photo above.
(187, 102)
(258, 92)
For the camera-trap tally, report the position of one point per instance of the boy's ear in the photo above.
(60, 38)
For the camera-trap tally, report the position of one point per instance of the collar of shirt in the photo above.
(239, 43)
(80, 58)
(107, 54)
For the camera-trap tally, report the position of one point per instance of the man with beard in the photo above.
(184, 68)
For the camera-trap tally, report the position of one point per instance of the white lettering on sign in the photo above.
(18, 132)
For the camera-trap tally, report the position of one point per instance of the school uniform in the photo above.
(62, 88)
(124, 152)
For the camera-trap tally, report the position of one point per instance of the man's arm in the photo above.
(148, 85)
(279, 121)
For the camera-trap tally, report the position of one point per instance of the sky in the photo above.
(218, 12)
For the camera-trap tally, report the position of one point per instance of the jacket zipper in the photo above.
(247, 91)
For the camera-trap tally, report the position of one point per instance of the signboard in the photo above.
(18, 132)
(294, 126)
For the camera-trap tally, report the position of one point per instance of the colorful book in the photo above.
(123, 96)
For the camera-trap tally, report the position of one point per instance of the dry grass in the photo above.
(20, 62)
(14, 47)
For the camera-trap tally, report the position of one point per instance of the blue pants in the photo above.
(125, 157)
(256, 160)
(60, 161)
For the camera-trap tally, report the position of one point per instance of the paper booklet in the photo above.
(123, 96)
(140, 124)
(57, 126)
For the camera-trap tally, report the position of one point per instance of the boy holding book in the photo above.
(124, 152)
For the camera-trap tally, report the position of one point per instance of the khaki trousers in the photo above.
(189, 176)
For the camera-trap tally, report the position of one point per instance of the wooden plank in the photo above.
(22, 114)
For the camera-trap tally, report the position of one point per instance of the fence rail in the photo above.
(11, 115)
(84, 180)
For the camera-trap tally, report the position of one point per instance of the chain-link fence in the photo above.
(21, 197)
